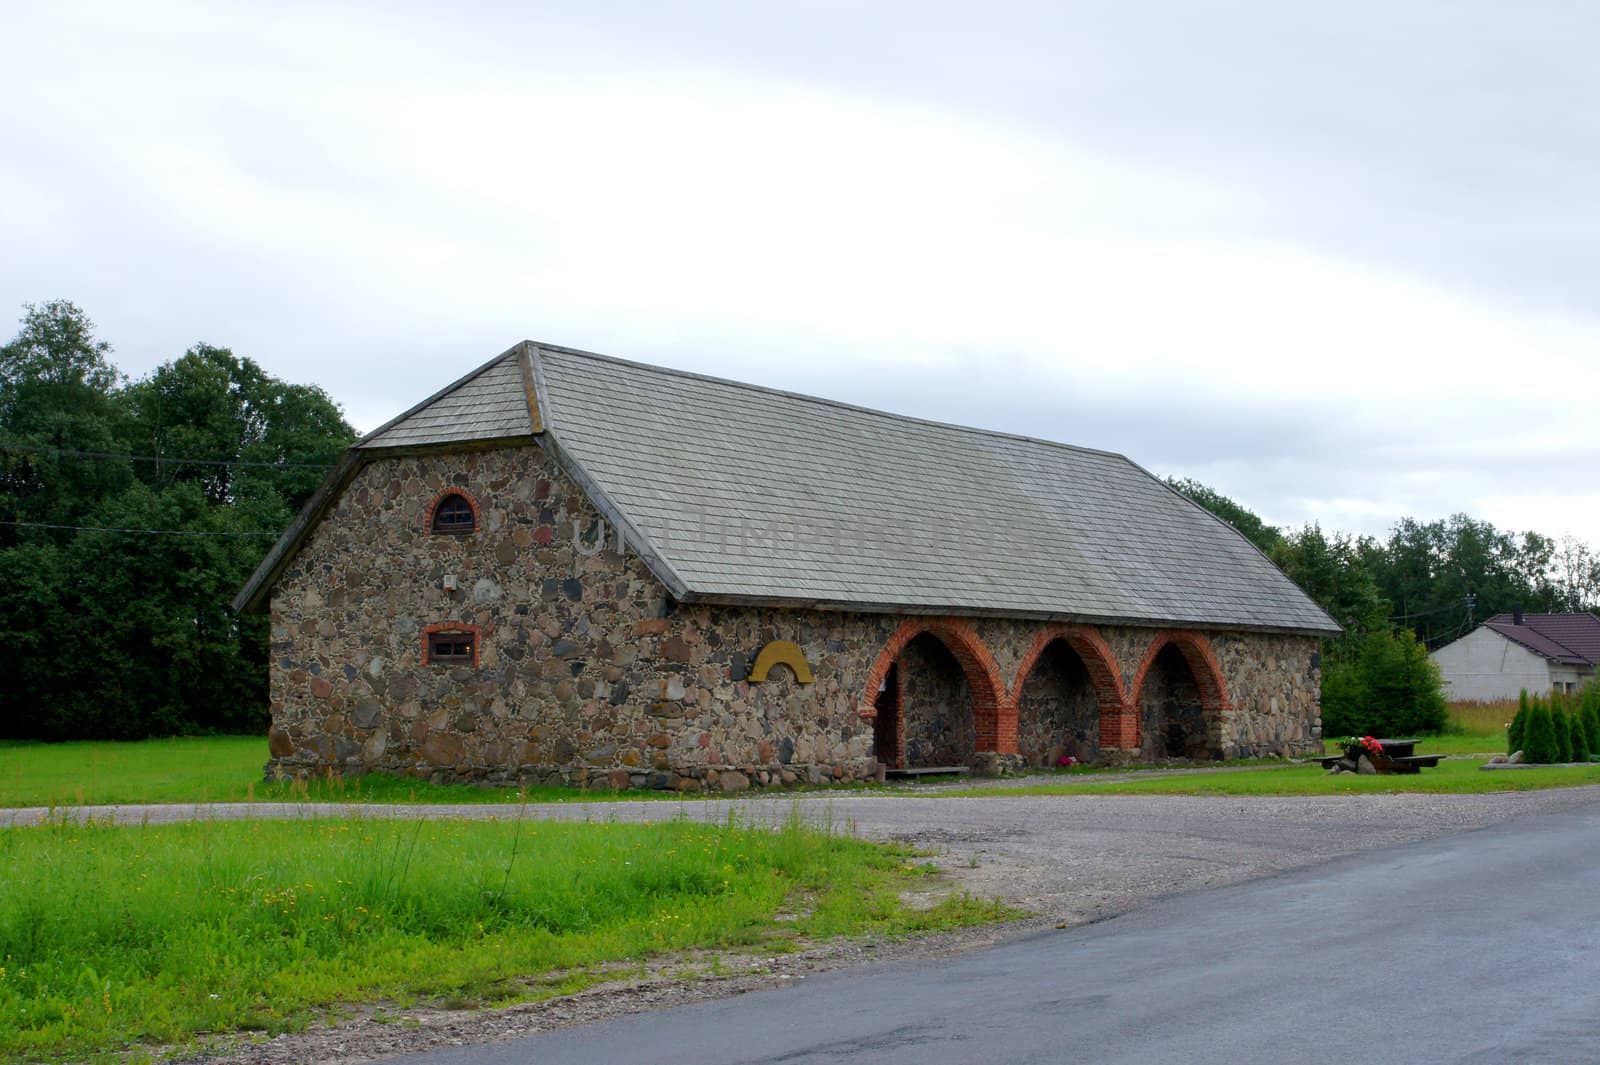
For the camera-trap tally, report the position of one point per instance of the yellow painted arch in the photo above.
(781, 652)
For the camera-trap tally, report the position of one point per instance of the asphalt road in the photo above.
(1476, 947)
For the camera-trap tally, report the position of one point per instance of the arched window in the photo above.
(454, 514)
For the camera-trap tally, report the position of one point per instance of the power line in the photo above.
(1429, 613)
(146, 532)
(165, 458)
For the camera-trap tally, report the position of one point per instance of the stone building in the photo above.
(567, 567)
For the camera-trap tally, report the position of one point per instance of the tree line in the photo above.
(131, 511)
(1424, 584)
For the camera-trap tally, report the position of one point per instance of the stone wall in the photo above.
(1057, 713)
(587, 673)
(936, 702)
(1171, 713)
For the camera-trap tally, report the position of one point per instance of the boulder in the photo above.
(279, 745)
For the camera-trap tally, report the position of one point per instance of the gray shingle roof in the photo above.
(487, 404)
(740, 494)
(1570, 639)
(748, 494)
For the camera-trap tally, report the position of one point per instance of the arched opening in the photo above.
(937, 725)
(1058, 710)
(934, 697)
(1068, 697)
(1173, 722)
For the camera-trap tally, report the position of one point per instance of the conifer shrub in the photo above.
(1590, 716)
(1580, 739)
(1539, 739)
(1519, 725)
(1558, 714)
(1389, 688)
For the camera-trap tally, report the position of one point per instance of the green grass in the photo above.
(114, 938)
(220, 768)
(1453, 743)
(1483, 719)
(1471, 728)
(1460, 776)
(229, 769)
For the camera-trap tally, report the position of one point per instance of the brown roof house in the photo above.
(1517, 652)
(566, 567)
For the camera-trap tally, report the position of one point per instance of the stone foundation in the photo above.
(586, 673)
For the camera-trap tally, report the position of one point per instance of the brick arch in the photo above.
(989, 702)
(1118, 715)
(446, 493)
(1202, 660)
(1091, 647)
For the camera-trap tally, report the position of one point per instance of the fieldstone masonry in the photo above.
(587, 672)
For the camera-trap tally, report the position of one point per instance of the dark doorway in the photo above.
(937, 720)
(1172, 716)
(1058, 713)
(886, 726)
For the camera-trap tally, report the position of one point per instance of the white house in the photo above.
(1511, 653)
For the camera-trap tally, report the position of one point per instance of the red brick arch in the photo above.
(1118, 716)
(1196, 651)
(1098, 658)
(446, 493)
(990, 705)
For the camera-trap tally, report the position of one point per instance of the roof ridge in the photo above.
(694, 375)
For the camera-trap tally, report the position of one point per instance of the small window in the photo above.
(454, 515)
(451, 648)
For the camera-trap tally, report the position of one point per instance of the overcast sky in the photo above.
(1340, 261)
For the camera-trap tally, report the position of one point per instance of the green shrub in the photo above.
(1391, 688)
(1558, 717)
(1519, 725)
(1588, 713)
(1539, 740)
(1580, 739)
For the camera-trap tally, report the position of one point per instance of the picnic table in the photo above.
(1399, 756)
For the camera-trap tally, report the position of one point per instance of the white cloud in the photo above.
(377, 205)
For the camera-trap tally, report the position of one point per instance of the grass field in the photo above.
(221, 769)
(1472, 728)
(1454, 776)
(1454, 743)
(1483, 719)
(118, 937)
